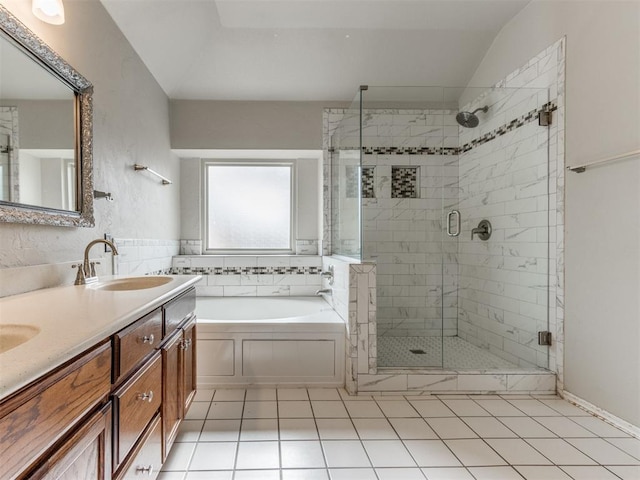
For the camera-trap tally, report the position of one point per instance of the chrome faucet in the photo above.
(87, 270)
(326, 291)
(328, 274)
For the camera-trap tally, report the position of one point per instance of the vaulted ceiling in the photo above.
(305, 50)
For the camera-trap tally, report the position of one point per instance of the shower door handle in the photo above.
(449, 215)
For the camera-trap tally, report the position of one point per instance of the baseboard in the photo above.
(601, 413)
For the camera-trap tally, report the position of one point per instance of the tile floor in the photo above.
(322, 434)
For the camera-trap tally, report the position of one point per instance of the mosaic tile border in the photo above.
(518, 122)
(404, 182)
(368, 182)
(245, 270)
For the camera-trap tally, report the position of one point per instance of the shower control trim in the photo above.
(483, 230)
(449, 215)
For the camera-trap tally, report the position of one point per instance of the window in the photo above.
(249, 207)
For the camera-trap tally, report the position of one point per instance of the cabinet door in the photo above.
(85, 455)
(172, 385)
(189, 364)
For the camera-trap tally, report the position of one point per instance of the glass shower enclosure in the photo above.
(447, 190)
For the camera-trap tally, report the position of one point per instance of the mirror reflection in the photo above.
(38, 164)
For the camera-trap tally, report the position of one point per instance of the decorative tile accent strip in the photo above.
(404, 182)
(409, 150)
(368, 182)
(245, 270)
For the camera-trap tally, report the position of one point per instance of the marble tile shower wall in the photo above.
(140, 256)
(262, 276)
(515, 180)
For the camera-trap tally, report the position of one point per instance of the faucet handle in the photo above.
(93, 268)
(80, 278)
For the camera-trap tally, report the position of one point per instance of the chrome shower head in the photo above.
(470, 119)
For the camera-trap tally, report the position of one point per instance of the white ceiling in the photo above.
(308, 49)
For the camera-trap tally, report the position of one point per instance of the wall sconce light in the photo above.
(50, 11)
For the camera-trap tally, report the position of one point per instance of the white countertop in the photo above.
(72, 319)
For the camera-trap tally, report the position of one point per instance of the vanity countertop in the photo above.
(72, 319)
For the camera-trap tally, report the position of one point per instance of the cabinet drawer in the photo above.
(146, 459)
(33, 420)
(137, 402)
(177, 310)
(135, 343)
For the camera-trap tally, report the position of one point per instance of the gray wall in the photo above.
(247, 125)
(131, 125)
(602, 224)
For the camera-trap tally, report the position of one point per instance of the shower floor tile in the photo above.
(458, 354)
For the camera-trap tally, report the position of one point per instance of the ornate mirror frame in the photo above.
(45, 56)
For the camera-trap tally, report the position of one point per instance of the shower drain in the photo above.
(417, 351)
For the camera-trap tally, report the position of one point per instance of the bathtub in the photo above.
(269, 341)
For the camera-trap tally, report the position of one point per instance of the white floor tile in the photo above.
(397, 409)
(305, 474)
(600, 427)
(225, 410)
(542, 473)
(367, 409)
(336, 429)
(213, 456)
(431, 453)
(412, 429)
(374, 429)
(560, 452)
(352, 474)
(292, 394)
(179, 457)
(626, 472)
(534, 407)
(450, 428)
(328, 409)
(399, 474)
(261, 394)
(220, 431)
(259, 429)
(229, 395)
(517, 452)
(431, 408)
(257, 475)
(189, 431)
(226, 475)
(602, 452)
(565, 408)
(525, 427)
(260, 410)
(466, 408)
(295, 409)
(345, 453)
(301, 454)
(495, 473)
(488, 427)
(499, 408)
(474, 453)
(203, 395)
(628, 445)
(257, 455)
(388, 453)
(563, 427)
(298, 429)
(451, 473)
(590, 473)
(323, 394)
(197, 411)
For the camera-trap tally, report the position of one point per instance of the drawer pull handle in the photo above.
(185, 344)
(148, 339)
(146, 396)
(148, 470)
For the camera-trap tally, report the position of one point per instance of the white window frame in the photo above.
(248, 163)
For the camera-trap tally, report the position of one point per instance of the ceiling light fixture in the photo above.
(50, 11)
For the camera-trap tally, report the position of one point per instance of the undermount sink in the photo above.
(132, 283)
(12, 335)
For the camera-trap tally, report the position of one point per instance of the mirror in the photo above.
(46, 122)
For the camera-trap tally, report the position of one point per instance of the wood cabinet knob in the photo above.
(146, 396)
(148, 339)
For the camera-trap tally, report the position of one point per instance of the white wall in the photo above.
(602, 234)
(131, 125)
